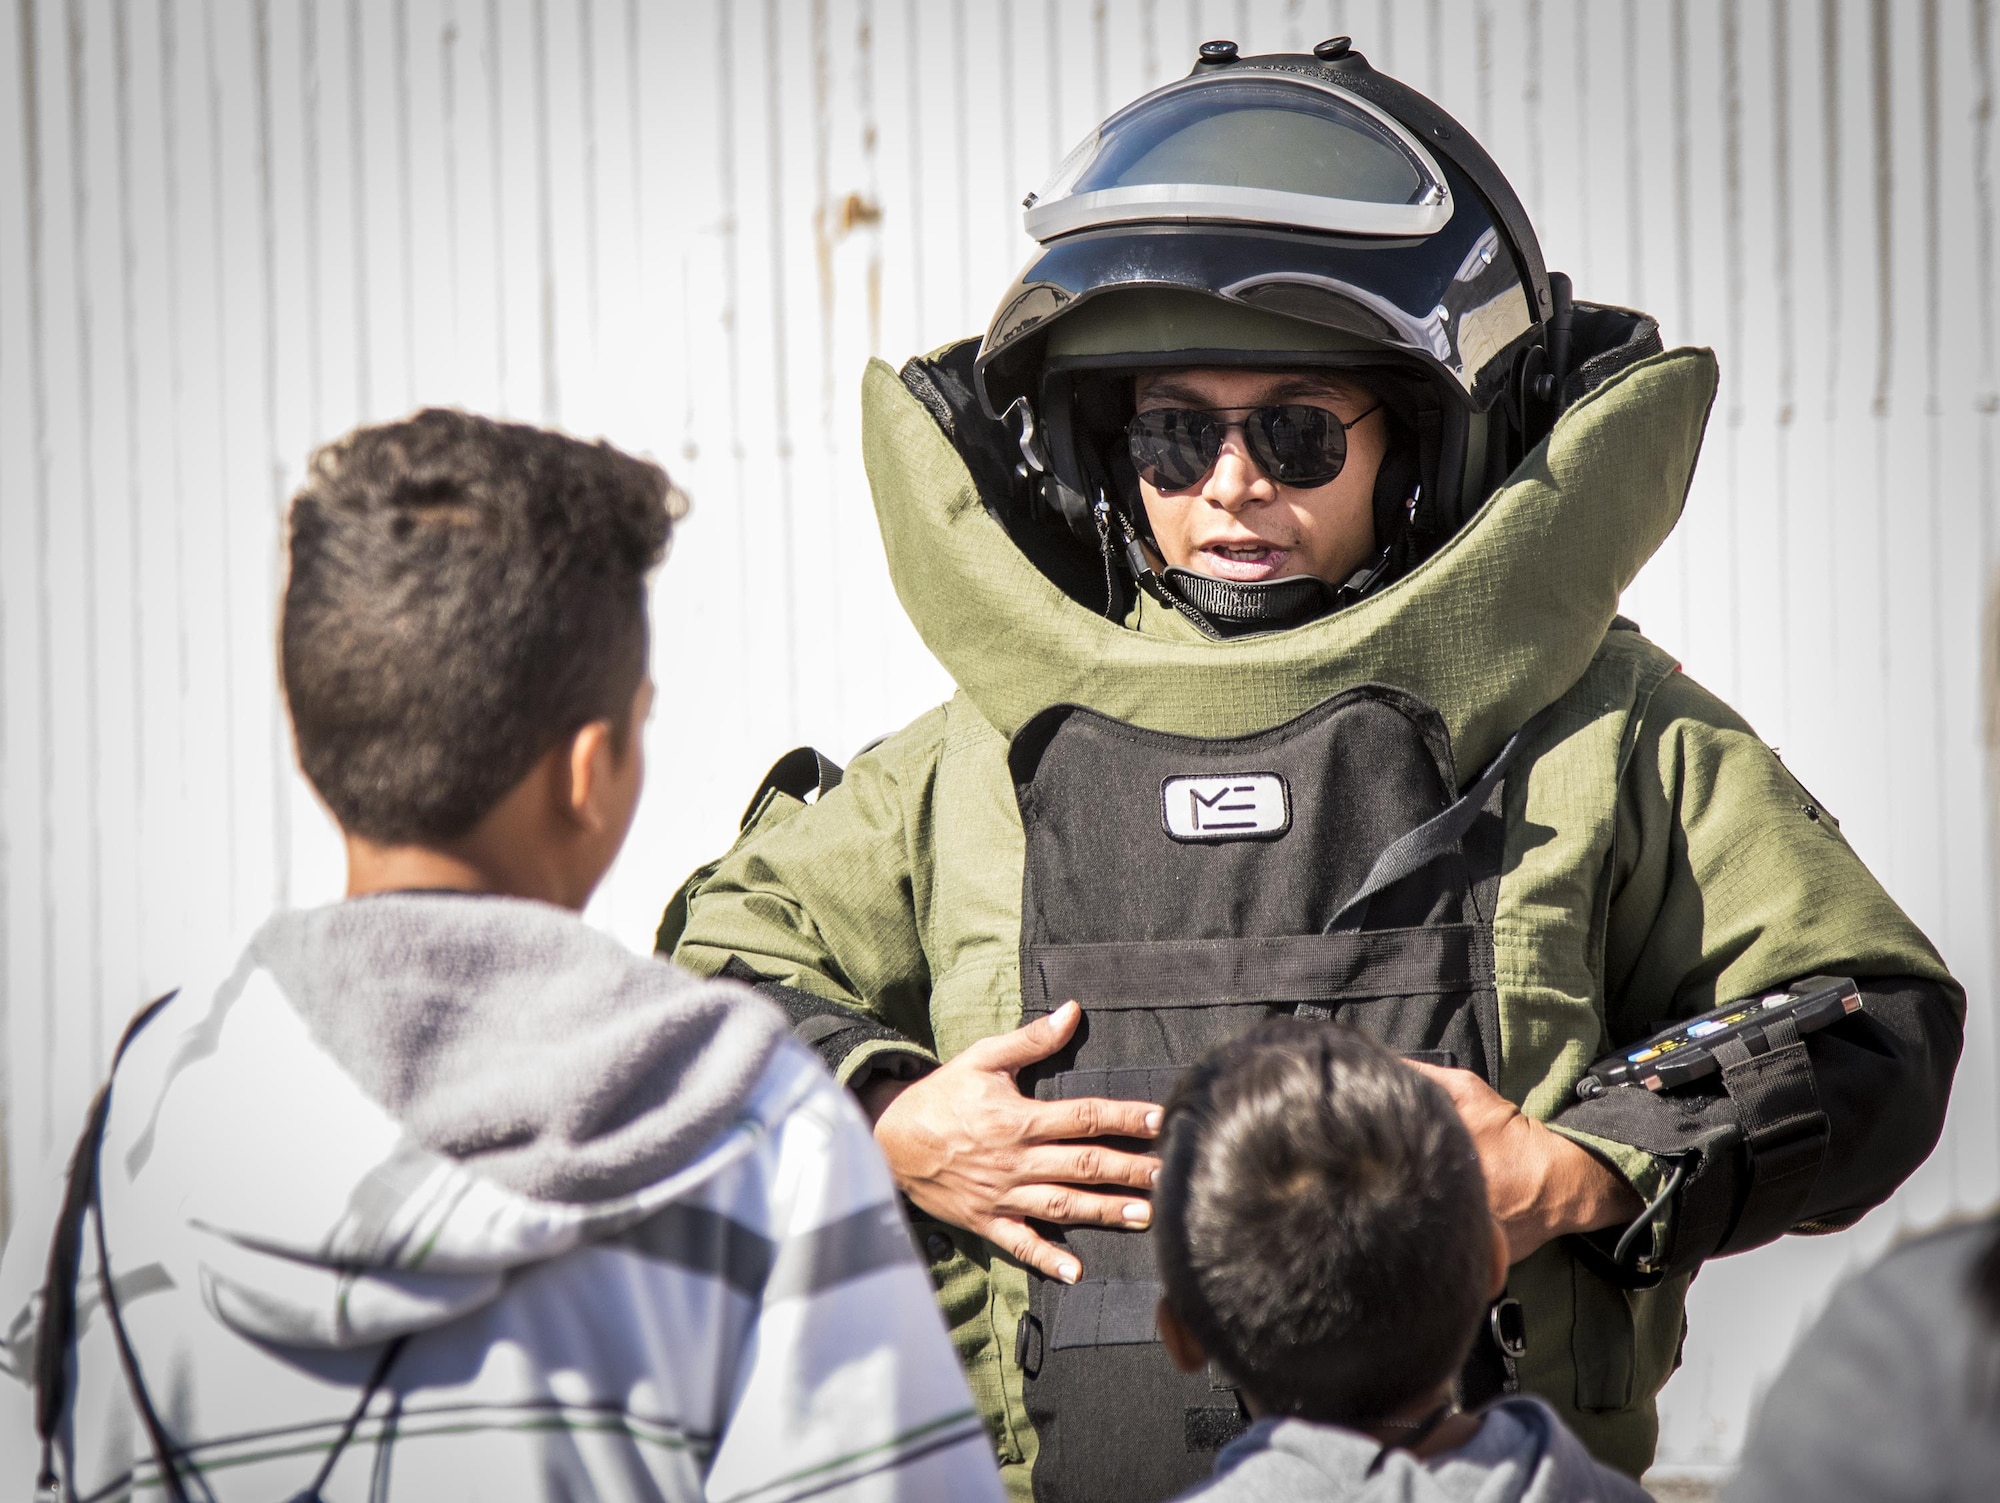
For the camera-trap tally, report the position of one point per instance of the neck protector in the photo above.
(1495, 624)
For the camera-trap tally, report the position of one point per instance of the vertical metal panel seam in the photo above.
(496, 159)
(1882, 130)
(1100, 58)
(1635, 177)
(1531, 107)
(128, 262)
(448, 149)
(637, 185)
(864, 85)
(226, 564)
(732, 296)
(1580, 71)
(274, 466)
(1882, 122)
(1934, 428)
(170, 131)
(1434, 54)
(1003, 76)
(1732, 312)
(31, 164)
(1051, 50)
(1834, 308)
(823, 227)
(916, 154)
(781, 375)
(309, 107)
(1986, 399)
(1482, 42)
(86, 381)
(961, 146)
(1677, 48)
(1986, 402)
(357, 148)
(1787, 337)
(544, 224)
(399, 15)
(586, 52)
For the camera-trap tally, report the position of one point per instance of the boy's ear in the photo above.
(1497, 1279)
(591, 752)
(1183, 1349)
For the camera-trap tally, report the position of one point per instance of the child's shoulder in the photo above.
(1525, 1435)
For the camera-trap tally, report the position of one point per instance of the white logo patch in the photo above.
(1236, 806)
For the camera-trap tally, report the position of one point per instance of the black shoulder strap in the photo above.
(55, 1330)
(1441, 833)
(804, 772)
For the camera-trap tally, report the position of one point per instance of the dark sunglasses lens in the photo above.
(1173, 447)
(1297, 445)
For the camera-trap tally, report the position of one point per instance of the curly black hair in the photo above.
(463, 595)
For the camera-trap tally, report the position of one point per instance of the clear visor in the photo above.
(1245, 148)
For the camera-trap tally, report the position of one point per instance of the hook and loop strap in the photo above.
(1784, 1130)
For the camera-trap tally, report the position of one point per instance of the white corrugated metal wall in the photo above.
(232, 228)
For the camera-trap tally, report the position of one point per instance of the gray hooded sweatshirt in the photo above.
(639, 1243)
(1521, 1454)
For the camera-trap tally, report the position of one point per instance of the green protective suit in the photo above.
(1659, 858)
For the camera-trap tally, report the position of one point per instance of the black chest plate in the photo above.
(1183, 889)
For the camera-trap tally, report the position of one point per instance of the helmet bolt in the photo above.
(1218, 52)
(1333, 49)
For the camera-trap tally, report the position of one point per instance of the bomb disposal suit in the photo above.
(1454, 800)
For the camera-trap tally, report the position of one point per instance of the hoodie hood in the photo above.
(1533, 579)
(397, 1101)
(1521, 1454)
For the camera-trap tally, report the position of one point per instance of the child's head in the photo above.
(1321, 1224)
(466, 599)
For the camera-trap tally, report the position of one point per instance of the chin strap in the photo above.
(1224, 608)
(1149, 580)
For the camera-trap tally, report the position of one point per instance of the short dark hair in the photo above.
(1320, 1222)
(463, 595)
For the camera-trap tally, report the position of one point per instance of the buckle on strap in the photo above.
(1784, 1130)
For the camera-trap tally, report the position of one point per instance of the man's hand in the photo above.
(967, 1147)
(1541, 1185)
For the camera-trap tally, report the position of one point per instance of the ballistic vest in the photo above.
(1182, 889)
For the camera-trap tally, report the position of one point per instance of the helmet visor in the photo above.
(1262, 149)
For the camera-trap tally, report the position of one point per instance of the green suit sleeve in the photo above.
(820, 904)
(1730, 879)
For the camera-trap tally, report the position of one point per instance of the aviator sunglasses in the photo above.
(1295, 444)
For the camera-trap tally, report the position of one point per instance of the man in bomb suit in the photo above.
(1274, 535)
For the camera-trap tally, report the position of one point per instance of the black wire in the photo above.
(1646, 1216)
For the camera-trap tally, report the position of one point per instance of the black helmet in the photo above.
(1296, 210)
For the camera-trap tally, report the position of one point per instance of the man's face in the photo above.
(1236, 522)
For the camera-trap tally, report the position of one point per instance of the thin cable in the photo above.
(1646, 1216)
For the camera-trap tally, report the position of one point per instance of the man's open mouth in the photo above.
(1244, 562)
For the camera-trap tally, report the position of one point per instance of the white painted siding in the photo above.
(230, 229)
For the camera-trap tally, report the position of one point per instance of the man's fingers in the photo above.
(1065, 1205)
(1027, 1044)
(1093, 1117)
(1087, 1164)
(1019, 1241)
